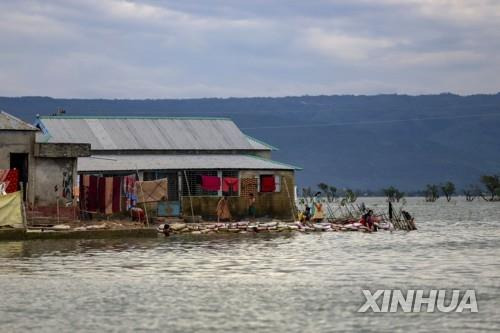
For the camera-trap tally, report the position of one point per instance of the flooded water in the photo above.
(257, 283)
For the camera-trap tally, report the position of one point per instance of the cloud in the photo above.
(192, 48)
(346, 47)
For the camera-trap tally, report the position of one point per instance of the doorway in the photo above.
(19, 161)
(172, 206)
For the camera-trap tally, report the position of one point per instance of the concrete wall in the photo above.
(19, 142)
(57, 150)
(275, 205)
(52, 173)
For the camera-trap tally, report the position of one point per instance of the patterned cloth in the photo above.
(129, 190)
(10, 177)
(248, 185)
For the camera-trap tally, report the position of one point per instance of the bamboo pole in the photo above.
(25, 220)
(189, 195)
(144, 203)
(292, 205)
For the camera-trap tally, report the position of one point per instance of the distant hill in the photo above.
(362, 142)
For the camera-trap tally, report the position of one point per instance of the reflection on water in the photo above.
(279, 282)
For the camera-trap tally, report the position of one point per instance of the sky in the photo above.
(223, 48)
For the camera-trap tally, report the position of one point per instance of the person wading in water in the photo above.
(251, 206)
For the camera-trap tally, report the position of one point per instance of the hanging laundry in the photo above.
(93, 194)
(10, 177)
(267, 183)
(129, 189)
(210, 183)
(151, 191)
(117, 197)
(11, 213)
(102, 194)
(230, 184)
(108, 196)
(84, 188)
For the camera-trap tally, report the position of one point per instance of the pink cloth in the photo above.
(210, 183)
(229, 183)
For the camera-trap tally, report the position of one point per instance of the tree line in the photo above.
(489, 190)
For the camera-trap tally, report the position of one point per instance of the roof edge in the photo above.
(28, 125)
(294, 167)
(134, 117)
(271, 147)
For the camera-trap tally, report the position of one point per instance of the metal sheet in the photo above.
(148, 133)
(98, 163)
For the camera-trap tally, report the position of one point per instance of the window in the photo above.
(269, 183)
(227, 183)
(192, 181)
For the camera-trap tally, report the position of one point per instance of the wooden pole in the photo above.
(144, 203)
(292, 204)
(25, 220)
(189, 195)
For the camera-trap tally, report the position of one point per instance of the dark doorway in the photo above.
(20, 162)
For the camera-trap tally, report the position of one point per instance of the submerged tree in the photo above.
(333, 192)
(329, 191)
(431, 193)
(448, 189)
(393, 194)
(350, 196)
(307, 193)
(471, 192)
(492, 184)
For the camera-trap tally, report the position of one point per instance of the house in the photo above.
(46, 171)
(185, 151)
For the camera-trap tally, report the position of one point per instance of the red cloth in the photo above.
(92, 194)
(81, 196)
(267, 184)
(116, 194)
(210, 183)
(229, 183)
(11, 178)
(101, 187)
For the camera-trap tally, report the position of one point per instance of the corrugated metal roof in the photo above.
(98, 163)
(11, 123)
(259, 145)
(143, 133)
